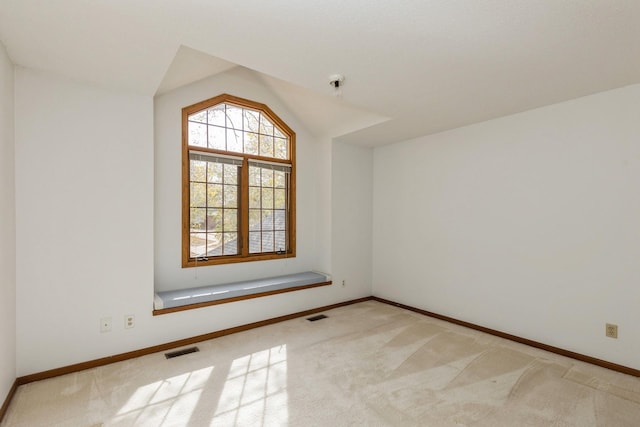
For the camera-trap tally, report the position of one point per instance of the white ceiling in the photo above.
(412, 67)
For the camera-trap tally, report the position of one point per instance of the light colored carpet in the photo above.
(367, 364)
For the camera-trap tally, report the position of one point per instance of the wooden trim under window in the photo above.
(238, 298)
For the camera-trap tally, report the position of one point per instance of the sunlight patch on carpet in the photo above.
(176, 396)
(255, 392)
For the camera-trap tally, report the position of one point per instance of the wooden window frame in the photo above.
(243, 205)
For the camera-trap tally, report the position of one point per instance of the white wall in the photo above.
(352, 216)
(7, 229)
(84, 196)
(85, 222)
(312, 168)
(527, 224)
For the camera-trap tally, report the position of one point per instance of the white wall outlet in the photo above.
(129, 321)
(344, 283)
(611, 330)
(105, 324)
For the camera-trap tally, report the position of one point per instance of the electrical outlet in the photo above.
(344, 283)
(129, 321)
(105, 324)
(611, 330)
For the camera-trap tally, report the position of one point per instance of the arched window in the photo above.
(238, 183)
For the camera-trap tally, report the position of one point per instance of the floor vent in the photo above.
(182, 352)
(318, 317)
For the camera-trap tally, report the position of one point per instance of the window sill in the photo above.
(188, 299)
(231, 259)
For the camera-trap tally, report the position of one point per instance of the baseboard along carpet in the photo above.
(365, 364)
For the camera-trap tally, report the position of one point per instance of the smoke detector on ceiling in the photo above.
(336, 81)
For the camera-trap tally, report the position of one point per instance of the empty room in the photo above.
(250, 213)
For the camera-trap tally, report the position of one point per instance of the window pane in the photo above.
(281, 241)
(266, 146)
(254, 197)
(267, 198)
(214, 172)
(197, 134)
(230, 244)
(214, 244)
(230, 220)
(280, 179)
(267, 242)
(280, 148)
(197, 219)
(251, 143)
(255, 242)
(254, 176)
(214, 195)
(267, 177)
(197, 244)
(267, 220)
(279, 198)
(277, 133)
(234, 141)
(266, 127)
(280, 219)
(230, 174)
(199, 117)
(216, 137)
(251, 121)
(214, 219)
(234, 117)
(230, 196)
(267, 212)
(198, 170)
(216, 115)
(198, 195)
(255, 218)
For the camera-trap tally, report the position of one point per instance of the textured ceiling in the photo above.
(412, 68)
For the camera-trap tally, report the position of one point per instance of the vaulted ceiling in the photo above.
(412, 67)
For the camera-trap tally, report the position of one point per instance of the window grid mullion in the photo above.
(243, 227)
(261, 233)
(287, 206)
(222, 218)
(206, 205)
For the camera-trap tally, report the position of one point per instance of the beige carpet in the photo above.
(367, 364)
